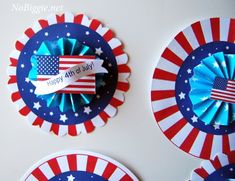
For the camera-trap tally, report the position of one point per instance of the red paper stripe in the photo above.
(172, 57)
(160, 115)
(197, 29)
(188, 142)
(206, 151)
(164, 75)
(182, 40)
(215, 28)
(162, 94)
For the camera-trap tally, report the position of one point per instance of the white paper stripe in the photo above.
(189, 34)
(207, 165)
(52, 19)
(158, 84)
(69, 17)
(117, 175)
(232, 141)
(175, 47)
(63, 163)
(224, 28)
(170, 121)
(217, 145)
(197, 177)
(81, 162)
(179, 138)
(198, 144)
(97, 121)
(168, 66)
(100, 167)
(223, 159)
(163, 104)
(206, 28)
(46, 170)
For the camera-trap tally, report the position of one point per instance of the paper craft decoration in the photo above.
(68, 74)
(213, 89)
(221, 168)
(173, 95)
(78, 165)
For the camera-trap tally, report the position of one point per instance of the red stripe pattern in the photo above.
(82, 161)
(118, 97)
(165, 109)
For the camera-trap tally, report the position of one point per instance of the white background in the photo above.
(132, 137)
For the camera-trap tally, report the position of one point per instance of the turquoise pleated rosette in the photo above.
(212, 111)
(63, 46)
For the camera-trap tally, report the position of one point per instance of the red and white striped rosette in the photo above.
(122, 84)
(72, 163)
(220, 168)
(167, 113)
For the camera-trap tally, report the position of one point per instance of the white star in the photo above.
(63, 117)
(98, 51)
(182, 95)
(224, 64)
(87, 32)
(36, 105)
(189, 71)
(70, 177)
(87, 110)
(27, 80)
(216, 65)
(216, 126)
(194, 119)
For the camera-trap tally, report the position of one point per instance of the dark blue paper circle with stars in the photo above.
(183, 88)
(86, 36)
(77, 175)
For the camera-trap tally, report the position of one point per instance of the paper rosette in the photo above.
(108, 97)
(78, 165)
(221, 168)
(212, 102)
(172, 107)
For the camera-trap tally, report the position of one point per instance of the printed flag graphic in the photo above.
(51, 65)
(224, 90)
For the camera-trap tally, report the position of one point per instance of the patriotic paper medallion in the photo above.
(221, 168)
(68, 74)
(193, 88)
(78, 165)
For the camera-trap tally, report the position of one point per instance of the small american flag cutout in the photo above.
(224, 90)
(51, 65)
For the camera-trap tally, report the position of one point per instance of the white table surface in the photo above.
(132, 137)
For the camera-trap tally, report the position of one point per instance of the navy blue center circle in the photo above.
(182, 85)
(76, 176)
(87, 37)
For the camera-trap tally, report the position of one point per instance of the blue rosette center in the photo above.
(213, 89)
(60, 47)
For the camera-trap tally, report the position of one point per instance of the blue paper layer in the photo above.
(209, 110)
